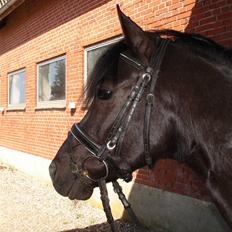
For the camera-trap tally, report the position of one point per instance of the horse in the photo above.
(152, 95)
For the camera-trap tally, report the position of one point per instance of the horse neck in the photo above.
(189, 90)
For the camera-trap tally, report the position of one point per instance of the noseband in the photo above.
(94, 149)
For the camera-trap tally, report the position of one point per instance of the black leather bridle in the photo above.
(146, 81)
(117, 133)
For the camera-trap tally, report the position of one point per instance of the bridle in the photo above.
(116, 136)
(145, 83)
(117, 133)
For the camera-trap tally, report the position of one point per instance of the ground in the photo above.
(28, 204)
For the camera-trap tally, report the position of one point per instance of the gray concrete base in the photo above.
(159, 210)
(33, 165)
(172, 212)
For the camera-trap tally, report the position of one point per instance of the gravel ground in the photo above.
(27, 204)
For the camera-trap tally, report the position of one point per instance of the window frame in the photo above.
(17, 106)
(96, 46)
(54, 103)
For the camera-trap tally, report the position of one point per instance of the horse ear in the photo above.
(138, 39)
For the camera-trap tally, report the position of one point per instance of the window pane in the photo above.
(93, 56)
(17, 88)
(52, 81)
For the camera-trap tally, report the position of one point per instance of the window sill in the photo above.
(16, 107)
(51, 105)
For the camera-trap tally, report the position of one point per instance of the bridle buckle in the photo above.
(146, 77)
(110, 146)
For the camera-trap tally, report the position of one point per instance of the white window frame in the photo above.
(53, 103)
(93, 47)
(19, 106)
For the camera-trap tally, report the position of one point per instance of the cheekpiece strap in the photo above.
(154, 70)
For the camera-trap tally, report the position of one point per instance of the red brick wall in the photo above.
(42, 29)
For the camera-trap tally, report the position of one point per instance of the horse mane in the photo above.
(187, 37)
(107, 63)
(199, 44)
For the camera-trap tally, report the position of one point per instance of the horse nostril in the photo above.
(52, 170)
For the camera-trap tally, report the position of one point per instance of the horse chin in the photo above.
(80, 190)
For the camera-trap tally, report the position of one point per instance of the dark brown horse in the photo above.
(189, 118)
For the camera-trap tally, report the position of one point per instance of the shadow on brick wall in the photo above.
(36, 17)
(212, 19)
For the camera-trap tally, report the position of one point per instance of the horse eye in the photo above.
(104, 94)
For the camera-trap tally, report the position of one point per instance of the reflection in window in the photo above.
(93, 56)
(51, 80)
(93, 53)
(16, 88)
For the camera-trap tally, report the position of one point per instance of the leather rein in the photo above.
(103, 153)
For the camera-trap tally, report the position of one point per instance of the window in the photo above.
(16, 89)
(94, 52)
(51, 81)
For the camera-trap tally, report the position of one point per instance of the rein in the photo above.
(116, 136)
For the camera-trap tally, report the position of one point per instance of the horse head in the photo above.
(74, 170)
